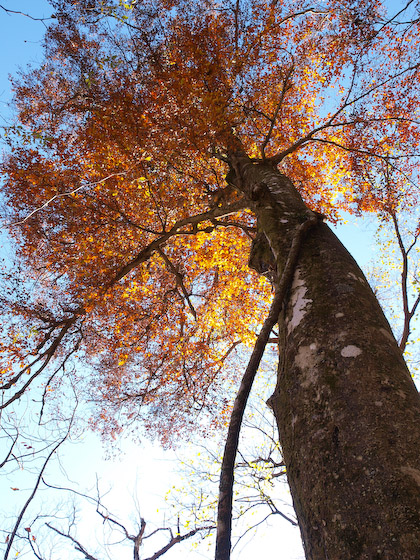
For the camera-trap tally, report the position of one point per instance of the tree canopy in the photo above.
(124, 135)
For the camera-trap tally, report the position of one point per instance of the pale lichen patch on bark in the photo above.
(298, 302)
(306, 361)
(355, 277)
(350, 351)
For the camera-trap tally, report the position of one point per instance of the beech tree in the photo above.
(172, 172)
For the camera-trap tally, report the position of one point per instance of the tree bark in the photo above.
(347, 410)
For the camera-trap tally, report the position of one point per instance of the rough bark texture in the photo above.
(347, 409)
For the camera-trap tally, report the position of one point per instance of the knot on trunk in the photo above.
(261, 257)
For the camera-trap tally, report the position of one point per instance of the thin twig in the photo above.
(12, 535)
(179, 280)
(67, 193)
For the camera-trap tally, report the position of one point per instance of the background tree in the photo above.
(128, 130)
(118, 534)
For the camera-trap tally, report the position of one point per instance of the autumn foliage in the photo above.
(125, 132)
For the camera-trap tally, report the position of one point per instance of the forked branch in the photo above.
(408, 313)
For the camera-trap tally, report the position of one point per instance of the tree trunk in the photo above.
(347, 410)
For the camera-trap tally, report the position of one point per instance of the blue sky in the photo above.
(20, 40)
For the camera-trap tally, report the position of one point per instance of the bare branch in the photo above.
(286, 86)
(48, 355)
(177, 539)
(12, 535)
(67, 193)
(78, 546)
(346, 104)
(42, 20)
(10, 452)
(179, 280)
(177, 228)
(408, 314)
